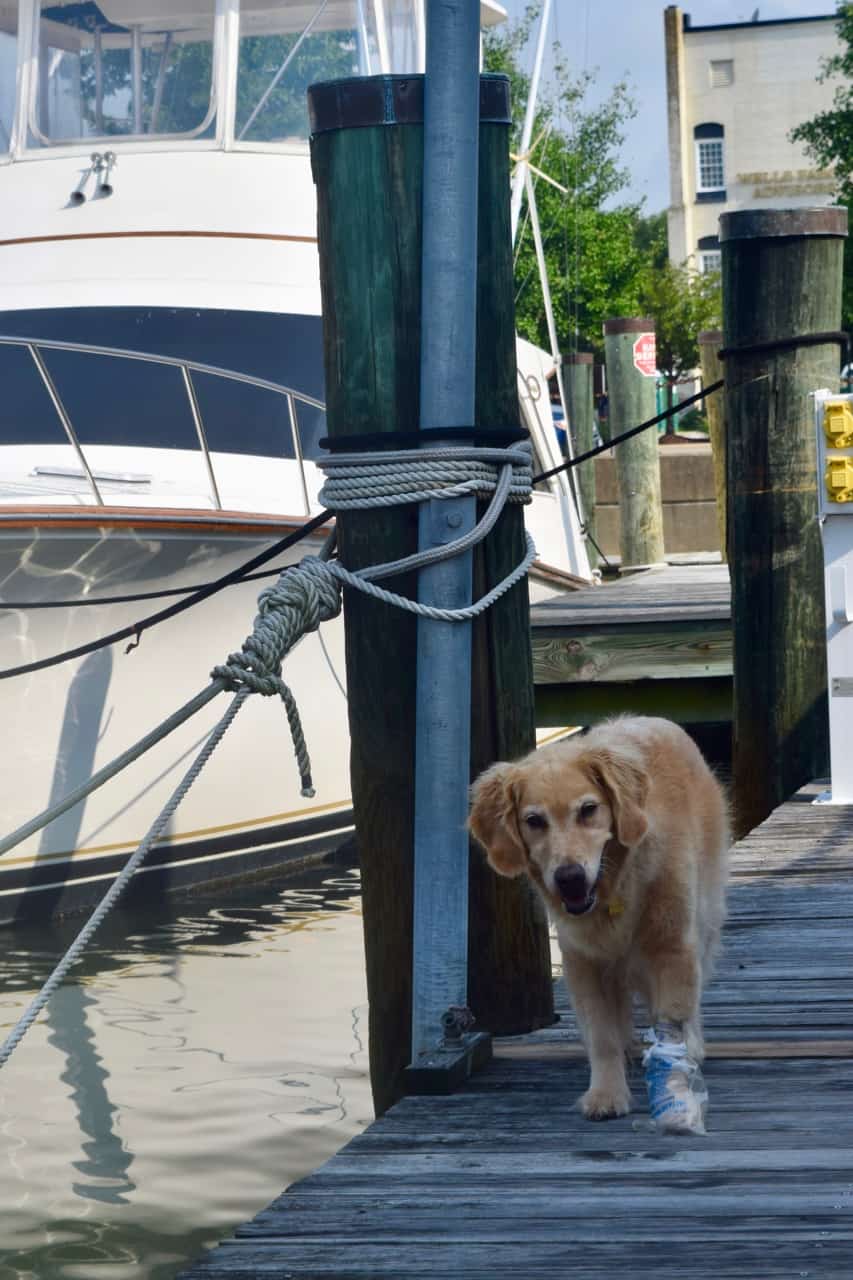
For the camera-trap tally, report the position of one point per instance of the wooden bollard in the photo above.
(367, 157)
(782, 274)
(631, 397)
(710, 341)
(577, 379)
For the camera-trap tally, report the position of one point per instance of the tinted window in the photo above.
(127, 402)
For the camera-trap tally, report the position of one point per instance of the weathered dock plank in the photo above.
(659, 640)
(506, 1178)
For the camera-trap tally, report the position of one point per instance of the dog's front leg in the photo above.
(676, 993)
(603, 1012)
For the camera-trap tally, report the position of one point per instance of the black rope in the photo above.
(135, 598)
(479, 436)
(626, 435)
(837, 336)
(136, 629)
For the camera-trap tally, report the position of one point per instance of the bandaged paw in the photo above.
(678, 1098)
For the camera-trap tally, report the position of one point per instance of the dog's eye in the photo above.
(536, 821)
(587, 809)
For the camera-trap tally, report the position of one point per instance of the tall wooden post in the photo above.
(782, 271)
(631, 396)
(710, 341)
(577, 378)
(367, 156)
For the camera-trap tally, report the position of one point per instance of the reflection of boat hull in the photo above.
(67, 721)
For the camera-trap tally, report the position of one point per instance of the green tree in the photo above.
(828, 138)
(588, 228)
(682, 303)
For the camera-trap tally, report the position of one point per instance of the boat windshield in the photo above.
(121, 68)
(147, 69)
(332, 38)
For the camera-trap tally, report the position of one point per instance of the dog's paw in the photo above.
(603, 1104)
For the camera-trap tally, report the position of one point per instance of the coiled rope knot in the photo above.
(303, 596)
(310, 593)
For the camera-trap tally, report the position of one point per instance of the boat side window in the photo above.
(335, 38)
(277, 63)
(106, 72)
(8, 70)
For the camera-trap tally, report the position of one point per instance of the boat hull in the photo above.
(245, 815)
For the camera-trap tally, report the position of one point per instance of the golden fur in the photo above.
(624, 832)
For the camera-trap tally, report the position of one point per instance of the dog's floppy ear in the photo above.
(494, 822)
(626, 785)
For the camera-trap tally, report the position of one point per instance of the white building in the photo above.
(734, 93)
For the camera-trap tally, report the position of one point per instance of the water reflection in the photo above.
(203, 1058)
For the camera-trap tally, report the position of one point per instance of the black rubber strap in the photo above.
(787, 344)
(494, 437)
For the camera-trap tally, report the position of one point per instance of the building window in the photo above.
(710, 167)
(722, 73)
(710, 261)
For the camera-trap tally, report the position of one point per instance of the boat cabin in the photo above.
(225, 73)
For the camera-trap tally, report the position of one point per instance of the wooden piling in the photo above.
(367, 156)
(782, 272)
(710, 341)
(631, 396)
(577, 379)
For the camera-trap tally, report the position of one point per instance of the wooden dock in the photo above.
(505, 1178)
(656, 642)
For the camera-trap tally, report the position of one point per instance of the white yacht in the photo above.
(161, 408)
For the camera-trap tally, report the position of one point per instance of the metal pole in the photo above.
(529, 117)
(136, 74)
(99, 81)
(195, 410)
(448, 347)
(67, 425)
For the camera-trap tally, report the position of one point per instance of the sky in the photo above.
(624, 38)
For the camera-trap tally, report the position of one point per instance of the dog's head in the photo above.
(556, 815)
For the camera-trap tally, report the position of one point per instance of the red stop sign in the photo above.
(645, 355)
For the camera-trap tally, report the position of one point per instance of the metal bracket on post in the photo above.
(460, 1053)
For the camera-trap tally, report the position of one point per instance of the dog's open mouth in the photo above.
(579, 905)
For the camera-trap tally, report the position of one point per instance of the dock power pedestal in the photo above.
(834, 428)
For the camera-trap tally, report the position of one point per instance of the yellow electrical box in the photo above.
(839, 479)
(838, 424)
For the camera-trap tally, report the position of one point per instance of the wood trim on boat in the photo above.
(148, 235)
(330, 816)
(26, 516)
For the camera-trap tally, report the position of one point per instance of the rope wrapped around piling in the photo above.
(310, 593)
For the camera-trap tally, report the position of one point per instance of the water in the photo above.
(206, 1055)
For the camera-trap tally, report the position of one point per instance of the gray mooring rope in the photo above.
(121, 881)
(304, 596)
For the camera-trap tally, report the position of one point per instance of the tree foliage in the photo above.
(604, 256)
(828, 138)
(682, 302)
(588, 229)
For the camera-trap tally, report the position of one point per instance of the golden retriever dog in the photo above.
(624, 832)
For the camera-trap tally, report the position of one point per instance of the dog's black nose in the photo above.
(570, 880)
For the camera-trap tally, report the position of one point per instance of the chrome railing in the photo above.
(35, 347)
